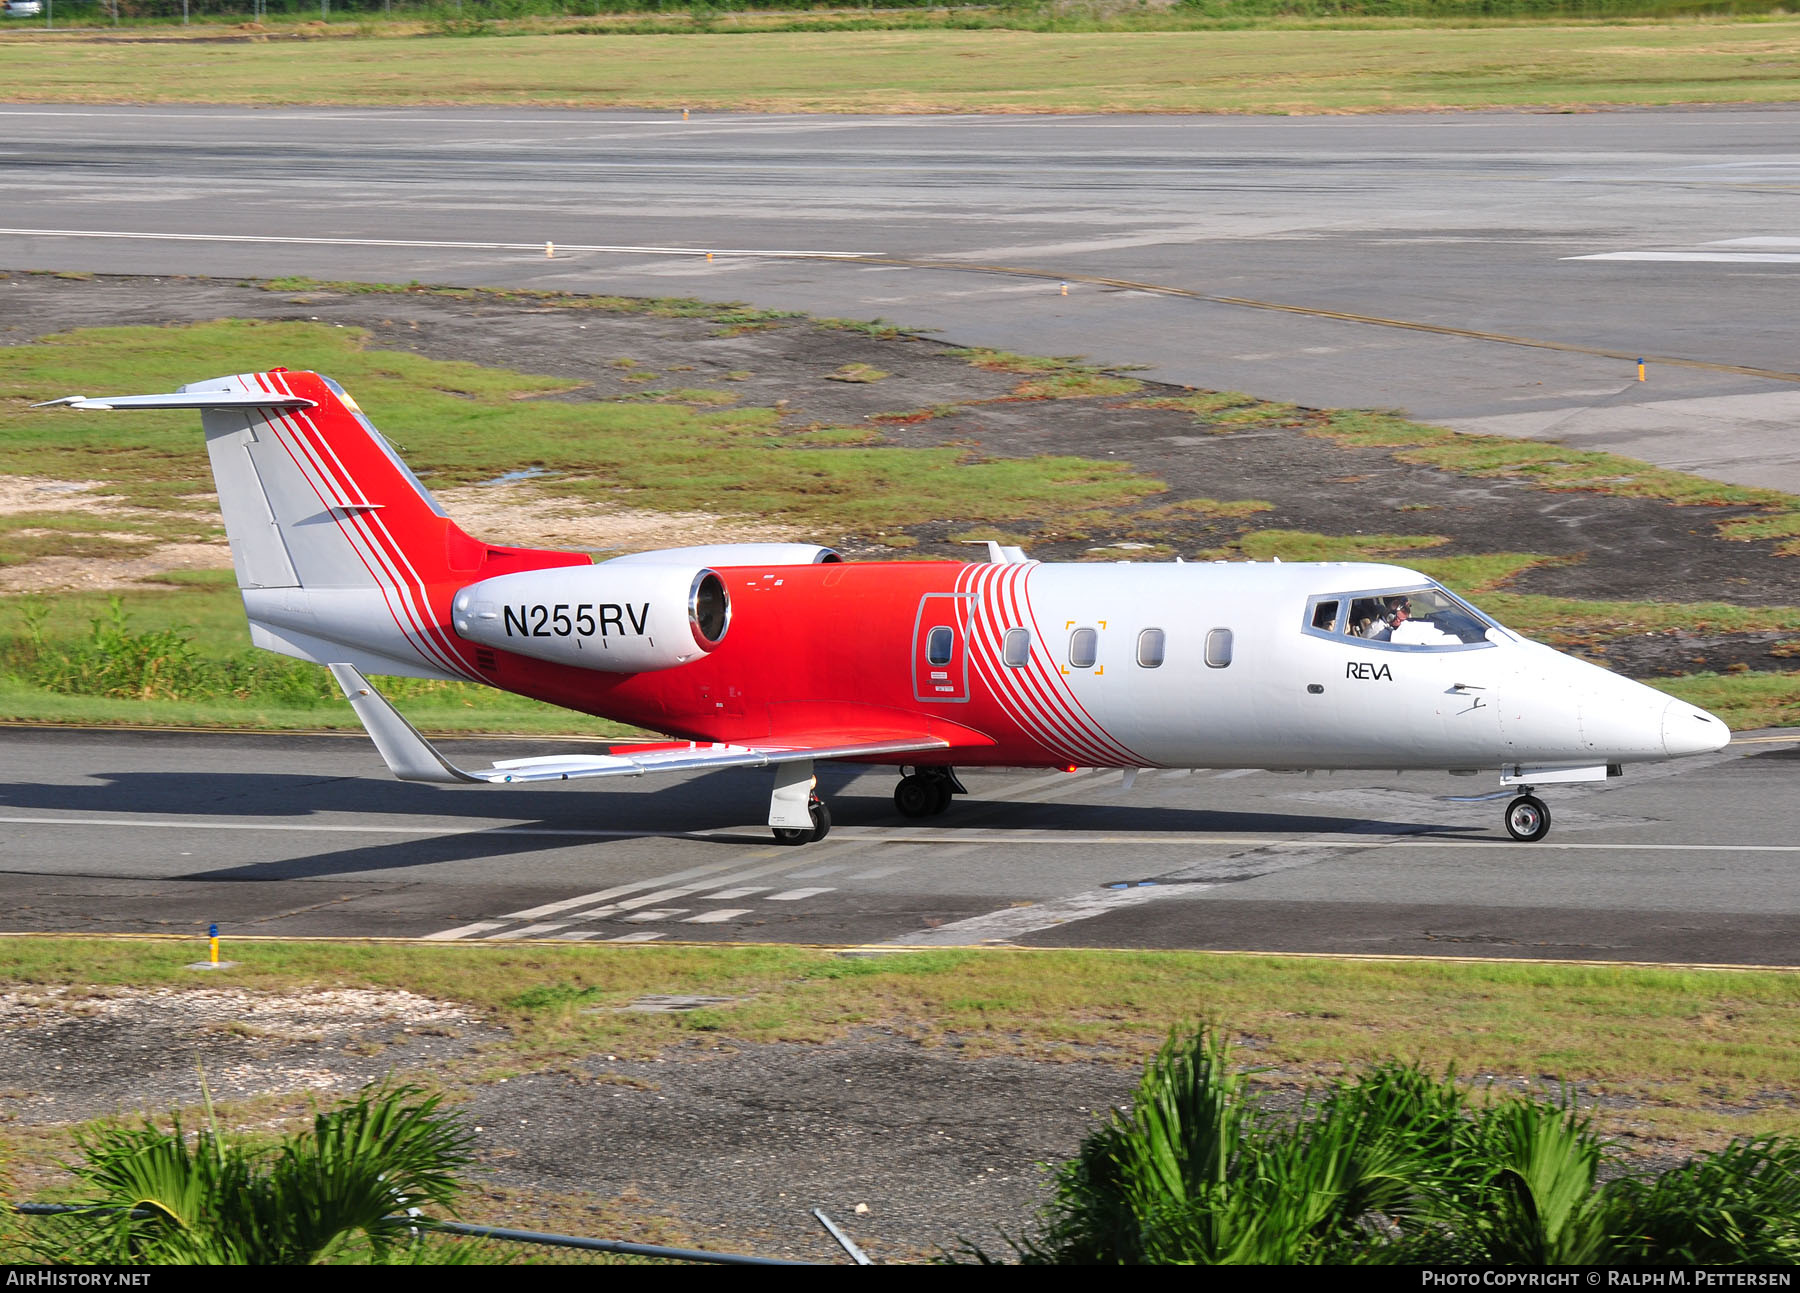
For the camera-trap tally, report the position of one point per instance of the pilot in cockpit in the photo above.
(1420, 617)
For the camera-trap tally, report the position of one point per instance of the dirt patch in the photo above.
(98, 575)
(71, 1055)
(735, 1143)
(718, 1144)
(914, 1150)
(20, 495)
(1608, 548)
(515, 513)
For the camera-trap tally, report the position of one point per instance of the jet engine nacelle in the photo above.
(619, 619)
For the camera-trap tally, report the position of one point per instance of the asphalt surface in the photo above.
(1687, 862)
(1574, 242)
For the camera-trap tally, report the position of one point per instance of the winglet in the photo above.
(408, 755)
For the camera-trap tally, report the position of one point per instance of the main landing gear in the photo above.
(821, 827)
(1527, 817)
(926, 792)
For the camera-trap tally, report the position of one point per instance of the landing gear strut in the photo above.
(926, 792)
(1527, 817)
(821, 827)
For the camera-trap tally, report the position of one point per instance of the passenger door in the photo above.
(940, 648)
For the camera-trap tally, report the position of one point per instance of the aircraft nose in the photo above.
(1689, 730)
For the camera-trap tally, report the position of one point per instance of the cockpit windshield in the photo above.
(1409, 617)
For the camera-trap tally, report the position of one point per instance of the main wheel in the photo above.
(1527, 819)
(915, 797)
(941, 795)
(793, 834)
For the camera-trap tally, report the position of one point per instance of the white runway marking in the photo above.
(643, 936)
(726, 895)
(716, 917)
(661, 895)
(1720, 257)
(619, 890)
(1012, 922)
(536, 248)
(663, 913)
(1769, 252)
(795, 895)
(466, 931)
(527, 931)
(969, 839)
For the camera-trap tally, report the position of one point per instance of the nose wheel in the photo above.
(821, 825)
(926, 792)
(1527, 819)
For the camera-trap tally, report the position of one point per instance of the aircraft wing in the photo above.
(412, 758)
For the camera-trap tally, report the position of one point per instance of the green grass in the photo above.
(1382, 66)
(461, 423)
(1665, 1040)
(678, 449)
(1224, 411)
(458, 423)
(1549, 465)
(1745, 701)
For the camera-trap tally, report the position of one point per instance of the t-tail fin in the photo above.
(341, 554)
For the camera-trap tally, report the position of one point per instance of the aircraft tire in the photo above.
(821, 816)
(915, 797)
(1527, 819)
(793, 835)
(940, 795)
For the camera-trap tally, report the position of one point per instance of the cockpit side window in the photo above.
(1422, 618)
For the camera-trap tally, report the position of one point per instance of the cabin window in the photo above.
(1218, 648)
(1015, 651)
(1325, 615)
(939, 645)
(1150, 649)
(1084, 648)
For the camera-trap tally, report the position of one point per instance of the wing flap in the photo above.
(411, 757)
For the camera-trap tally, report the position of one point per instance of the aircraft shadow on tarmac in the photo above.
(718, 809)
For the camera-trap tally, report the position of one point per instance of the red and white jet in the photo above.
(779, 655)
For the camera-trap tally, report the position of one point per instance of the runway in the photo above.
(1690, 862)
(1496, 271)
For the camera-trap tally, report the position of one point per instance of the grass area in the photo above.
(461, 423)
(684, 448)
(301, 20)
(1744, 701)
(1224, 411)
(458, 423)
(1551, 465)
(1667, 1047)
(253, 690)
(1382, 67)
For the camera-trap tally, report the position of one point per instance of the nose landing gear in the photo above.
(926, 792)
(821, 827)
(1527, 817)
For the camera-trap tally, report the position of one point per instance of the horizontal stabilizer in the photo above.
(182, 400)
(411, 757)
